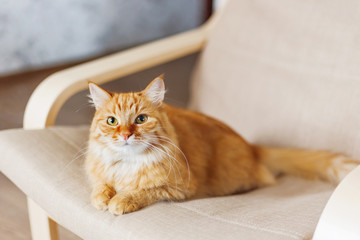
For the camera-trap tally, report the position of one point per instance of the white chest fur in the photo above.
(123, 167)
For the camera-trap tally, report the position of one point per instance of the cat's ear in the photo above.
(98, 95)
(155, 91)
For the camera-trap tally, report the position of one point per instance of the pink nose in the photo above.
(126, 135)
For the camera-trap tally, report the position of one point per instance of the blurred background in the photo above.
(36, 34)
(40, 37)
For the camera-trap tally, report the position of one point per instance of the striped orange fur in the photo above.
(142, 151)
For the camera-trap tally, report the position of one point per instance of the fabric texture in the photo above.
(282, 73)
(48, 166)
(285, 73)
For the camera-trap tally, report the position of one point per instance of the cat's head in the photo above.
(129, 123)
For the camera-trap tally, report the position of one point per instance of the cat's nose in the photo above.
(126, 135)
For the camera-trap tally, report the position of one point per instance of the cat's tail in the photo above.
(323, 165)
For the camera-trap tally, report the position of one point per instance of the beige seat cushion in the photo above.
(48, 166)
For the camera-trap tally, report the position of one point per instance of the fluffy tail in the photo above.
(322, 165)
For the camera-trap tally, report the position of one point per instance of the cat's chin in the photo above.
(131, 153)
(114, 152)
(129, 149)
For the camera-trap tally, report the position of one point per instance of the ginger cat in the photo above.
(142, 151)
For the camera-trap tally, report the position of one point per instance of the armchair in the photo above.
(283, 73)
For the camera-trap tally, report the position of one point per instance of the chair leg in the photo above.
(42, 227)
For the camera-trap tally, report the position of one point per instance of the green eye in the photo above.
(141, 119)
(112, 121)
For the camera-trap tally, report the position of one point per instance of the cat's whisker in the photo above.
(171, 142)
(177, 168)
(83, 151)
(164, 147)
(85, 105)
(170, 160)
(176, 163)
(168, 140)
(76, 156)
(178, 171)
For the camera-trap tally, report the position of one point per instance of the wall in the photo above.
(40, 33)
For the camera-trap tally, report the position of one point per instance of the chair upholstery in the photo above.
(285, 73)
(48, 166)
(280, 73)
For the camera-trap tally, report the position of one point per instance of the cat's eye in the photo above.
(141, 119)
(112, 121)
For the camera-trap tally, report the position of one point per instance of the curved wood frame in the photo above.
(341, 215)
(60, 86)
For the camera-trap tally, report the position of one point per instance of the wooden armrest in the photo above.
(47, 99)
(341, 216)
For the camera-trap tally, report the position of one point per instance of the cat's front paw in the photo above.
(121, 204)
(100, 202)
(101, 197)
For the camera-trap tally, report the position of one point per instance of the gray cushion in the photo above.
(48, 166)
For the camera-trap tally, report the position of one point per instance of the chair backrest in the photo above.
(285, 73)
